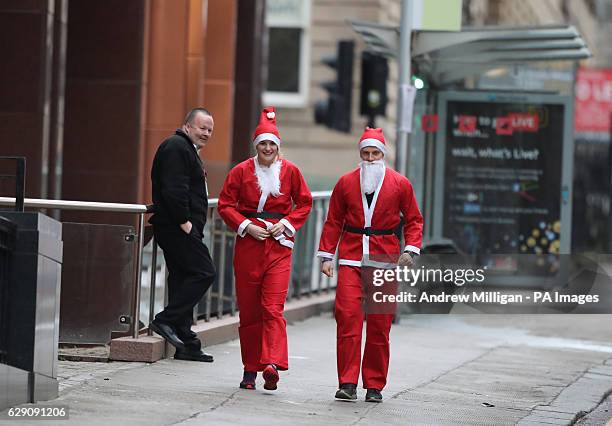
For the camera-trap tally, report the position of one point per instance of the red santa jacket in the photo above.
(241, 194)
(348, 207)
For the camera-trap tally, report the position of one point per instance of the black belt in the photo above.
(369, 231)
(264, 215)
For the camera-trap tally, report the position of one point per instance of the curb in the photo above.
(216, 331)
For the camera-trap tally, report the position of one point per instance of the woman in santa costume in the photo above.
(363, 217)
(257, 202)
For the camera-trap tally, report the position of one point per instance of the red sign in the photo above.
(503, 126)
(524, 122)
(593, 106)
(429, 123)
(467, 123)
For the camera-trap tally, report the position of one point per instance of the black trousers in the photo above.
(190, 274)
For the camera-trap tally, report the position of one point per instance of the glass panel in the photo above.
(284, 60)
(97, 276)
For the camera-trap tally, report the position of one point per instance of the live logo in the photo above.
(524, 122)
(517, 122)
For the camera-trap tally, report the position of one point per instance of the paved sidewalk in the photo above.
(478, 369)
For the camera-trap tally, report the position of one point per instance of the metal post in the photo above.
(221, 275)
(296, 284)
(212, 255)
(315, 271)
(20, 183)
(402, 140)
(136, 291)
(152, 288)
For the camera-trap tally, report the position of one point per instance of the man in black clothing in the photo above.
(180, 197)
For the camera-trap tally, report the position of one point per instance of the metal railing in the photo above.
(220, 240)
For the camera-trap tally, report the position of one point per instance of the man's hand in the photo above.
(327, 267)
(186, 227)
(277, 229)
(257, 232)
(405, 260)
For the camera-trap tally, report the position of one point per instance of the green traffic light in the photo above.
(418, 82)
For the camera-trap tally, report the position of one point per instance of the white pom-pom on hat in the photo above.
(271, 115)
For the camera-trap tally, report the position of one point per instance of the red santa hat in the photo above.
(266, 130)
(373, 137)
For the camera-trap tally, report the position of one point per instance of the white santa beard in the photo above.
(268, 178)
(371, 175)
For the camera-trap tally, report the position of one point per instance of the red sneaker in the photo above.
(270, 375)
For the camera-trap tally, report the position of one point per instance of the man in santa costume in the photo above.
(363, 217)
(257, 201)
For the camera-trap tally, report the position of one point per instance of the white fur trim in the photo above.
(325, 255)
(289, 229)
(366, 262)
(262, 201)
(373, 142)
(413, 249)
(242, 228)
(267, 137)
(286, 243)
(347, 262)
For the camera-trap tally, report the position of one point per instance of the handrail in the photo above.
(38, 203)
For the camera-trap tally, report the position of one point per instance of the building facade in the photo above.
(92, 88)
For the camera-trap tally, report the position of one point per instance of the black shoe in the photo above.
(193, 356)
(347, 391)
(248, 380)
(373, 395)
(167, 332)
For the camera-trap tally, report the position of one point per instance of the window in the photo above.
(288, 55)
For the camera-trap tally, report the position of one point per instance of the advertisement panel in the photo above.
(503, 187)
(592, 171)
(593, 100)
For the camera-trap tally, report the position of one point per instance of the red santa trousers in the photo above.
(262, 270)
(349, 313)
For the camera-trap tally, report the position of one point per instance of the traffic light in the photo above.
(335, 112)
(418, 82)
(374, 75)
